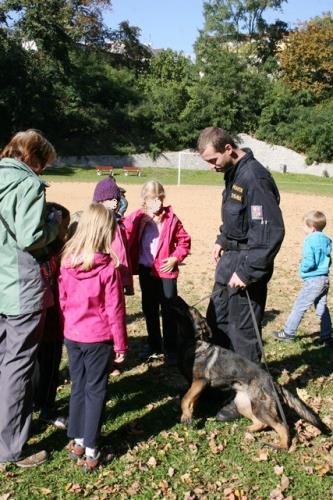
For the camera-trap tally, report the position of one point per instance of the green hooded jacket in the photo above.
(23, 206)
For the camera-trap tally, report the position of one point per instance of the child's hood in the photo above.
(101, 261)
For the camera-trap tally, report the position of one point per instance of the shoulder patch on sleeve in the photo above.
(235, 196)
(237, 188)
(256, 212)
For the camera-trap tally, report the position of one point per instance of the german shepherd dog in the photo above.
(205, 364)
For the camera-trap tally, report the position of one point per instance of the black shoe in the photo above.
(228, 413)
(328, 342)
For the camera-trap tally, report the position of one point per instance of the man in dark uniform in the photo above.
(250, 236)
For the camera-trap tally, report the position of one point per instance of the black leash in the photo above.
(256, 329)
(255, 324)
(206, 297)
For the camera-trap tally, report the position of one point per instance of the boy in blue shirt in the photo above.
(314, 270)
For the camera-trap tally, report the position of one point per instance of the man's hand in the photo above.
(216, 253)
(168, 264)
(236, 282)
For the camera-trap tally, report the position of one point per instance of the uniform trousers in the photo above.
(19, 337)
(229, 317)
(88, 367)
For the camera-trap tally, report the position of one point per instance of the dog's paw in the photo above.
(186, 420)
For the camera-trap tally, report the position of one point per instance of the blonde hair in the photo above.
(94, 233)
(315, 219)
(152, 189)
(31, 147)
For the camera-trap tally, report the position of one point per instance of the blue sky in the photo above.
(175, 23)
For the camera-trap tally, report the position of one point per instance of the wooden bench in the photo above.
(104, 169)
(131, 169)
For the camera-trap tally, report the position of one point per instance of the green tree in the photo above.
(298, 121)
(268, 42)
(228, 92)
(167, 92)
(306, 57)
(232, 18)
(130, 52)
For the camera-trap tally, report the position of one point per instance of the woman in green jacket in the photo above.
(24, 230)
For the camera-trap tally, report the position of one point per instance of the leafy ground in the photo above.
(155, 456)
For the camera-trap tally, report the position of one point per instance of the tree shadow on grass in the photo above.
(157, 391)
(132, 317)
(270, 315)
(317, 362)
(64, 170)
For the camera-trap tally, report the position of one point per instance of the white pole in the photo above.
(179, 165)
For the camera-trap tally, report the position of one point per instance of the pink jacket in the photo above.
(92, 303)
(120, 247)
(174, 241)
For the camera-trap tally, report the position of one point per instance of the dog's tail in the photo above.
(302, 409)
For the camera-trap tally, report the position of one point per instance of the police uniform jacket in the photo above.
(252, 227)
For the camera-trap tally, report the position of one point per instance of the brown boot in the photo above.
(32, 460)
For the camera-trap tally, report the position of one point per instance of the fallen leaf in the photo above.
(171, 472)
(163, 485)
(228, 491)
(278, 470)
(249, 437)
(193, 448)
(134, 488)
(45, 491)
(152, 462)
(323, 469)
(73, 488)
(186, 478)
(285, 481)
(276, 494)
(262, 456)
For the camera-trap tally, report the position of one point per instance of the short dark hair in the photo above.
(217, 137)
(52, 205)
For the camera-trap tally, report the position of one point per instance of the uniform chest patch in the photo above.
(256, 212)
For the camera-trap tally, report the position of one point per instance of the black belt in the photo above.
(235, 245)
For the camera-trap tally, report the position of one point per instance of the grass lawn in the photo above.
(294, 183)
(157, 457)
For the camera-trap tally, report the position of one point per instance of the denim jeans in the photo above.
(315, 292)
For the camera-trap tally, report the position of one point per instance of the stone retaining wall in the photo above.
(276, 158)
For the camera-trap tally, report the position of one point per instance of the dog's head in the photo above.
(190, 322)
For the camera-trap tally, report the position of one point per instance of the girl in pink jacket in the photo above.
(108, 193)
(93, 308)
(157, 243)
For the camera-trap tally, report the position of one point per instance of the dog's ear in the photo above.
(202, 330)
